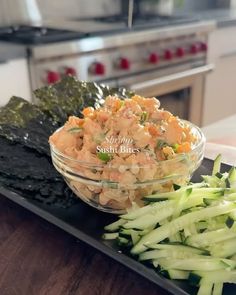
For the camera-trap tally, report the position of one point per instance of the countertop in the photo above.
(221, 138)
(223, 17)
(37, 258)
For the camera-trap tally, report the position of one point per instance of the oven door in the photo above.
(180, 92)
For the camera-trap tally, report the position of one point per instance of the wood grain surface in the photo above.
(37, 258)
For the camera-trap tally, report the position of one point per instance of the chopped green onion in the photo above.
(105, 157)
(143, 117)
(74, 130)
(175, 147)
(161, 143)
(122, 103)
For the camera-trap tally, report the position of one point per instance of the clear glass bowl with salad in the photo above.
(125, 150)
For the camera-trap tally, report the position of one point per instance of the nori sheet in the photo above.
(32, 175)
(70, 96)
(26, 123)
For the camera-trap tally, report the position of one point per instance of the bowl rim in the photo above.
(179, 157)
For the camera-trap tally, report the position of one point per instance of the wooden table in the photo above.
(36, 258)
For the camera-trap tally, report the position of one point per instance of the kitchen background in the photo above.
(182, 51)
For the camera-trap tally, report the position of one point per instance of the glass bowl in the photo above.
(88, 182)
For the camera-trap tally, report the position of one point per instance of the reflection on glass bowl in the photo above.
(115, 197)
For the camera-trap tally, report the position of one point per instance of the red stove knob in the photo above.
(153, 58)
(124, 63)
(194, 49)
(203, 46)
(53, 77)
(70, 71)
(168, 54)
(180, 52)
(97, 68)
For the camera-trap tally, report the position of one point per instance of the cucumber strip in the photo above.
(176, 254)
(155, 263)
(207, 263)
(202, 225)
(175, 274)
(146, 210)
(153, 255)
(217, 289)
(175, 238)
(211, 237)
(217, 276)
(115, 225)
(206, 192)
(132, 235)
(135, 237)
(217, 164)
(166, 220)
(233, 214)
(205, 288)
(224, 249)
(176, 247)
(187, 232)
(229, 264)
(233, 257)
(232, 177)
(214, 224)
(190, 230)
(231, 197)
(123, 241)
(166, 230)
(180, 203)
(213, 181)
(110, 236)
(149, 220)
(163, 196)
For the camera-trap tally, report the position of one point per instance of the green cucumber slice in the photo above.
(217, 164)
(166, 230)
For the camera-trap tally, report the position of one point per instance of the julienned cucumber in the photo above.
(216, 165)
(175, 274)
(189, 236)
(217, 276)
(207, 263)
(211, 237)
(166, 230)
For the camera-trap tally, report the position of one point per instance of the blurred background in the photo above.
(181, 51)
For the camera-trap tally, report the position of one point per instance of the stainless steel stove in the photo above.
(158, 56)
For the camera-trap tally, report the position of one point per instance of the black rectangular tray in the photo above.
(87, 223)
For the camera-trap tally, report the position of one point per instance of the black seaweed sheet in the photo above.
(69, 97)
(87, 223)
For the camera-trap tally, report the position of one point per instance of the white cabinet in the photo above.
(220, 88)
(14, 80)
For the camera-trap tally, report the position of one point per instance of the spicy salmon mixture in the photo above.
(128, 139)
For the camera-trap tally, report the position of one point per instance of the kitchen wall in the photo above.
(191, 5)
(77, 8)
(81, 8)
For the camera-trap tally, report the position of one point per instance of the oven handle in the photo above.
(173, 77)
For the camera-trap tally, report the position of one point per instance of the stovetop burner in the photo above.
(87, 27)
(25, 34)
